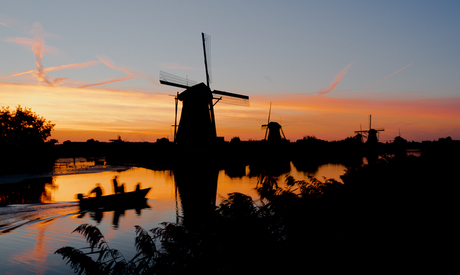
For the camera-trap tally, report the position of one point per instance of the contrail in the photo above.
(38, 47)
(72, 66)
(385, 78)
(110, 81)
(109, 63)
(21, 73)
(56, 68)
(336, 81)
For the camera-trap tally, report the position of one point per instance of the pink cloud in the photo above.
(334, 82)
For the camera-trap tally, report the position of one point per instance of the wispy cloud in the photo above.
(56, 68)
(338, 77)
(385, 78)
(72, 66)
(111, 81)
(37, 45)
(109, 63)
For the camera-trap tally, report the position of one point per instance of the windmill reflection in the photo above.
(197, 187)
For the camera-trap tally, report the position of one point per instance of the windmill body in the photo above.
(197, 126)
(197, 129)
(371, 134)
(273, 130)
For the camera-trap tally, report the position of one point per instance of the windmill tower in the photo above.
(197, 126)
(273, 130)
(371, 134)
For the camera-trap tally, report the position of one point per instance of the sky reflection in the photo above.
(30, 247)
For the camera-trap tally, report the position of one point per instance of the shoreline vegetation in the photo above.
(397, 213)
(230, 155)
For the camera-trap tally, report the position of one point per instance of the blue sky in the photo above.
(352, 51)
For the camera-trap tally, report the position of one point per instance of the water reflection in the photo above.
(188, 192)
(37, 190)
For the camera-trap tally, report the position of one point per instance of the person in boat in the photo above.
(138, 187)
(118, 189)
(97, 190)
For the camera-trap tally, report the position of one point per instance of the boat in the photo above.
(115, 201)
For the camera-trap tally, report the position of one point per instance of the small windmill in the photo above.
(273, 130)
(197, 126)
(371, 134)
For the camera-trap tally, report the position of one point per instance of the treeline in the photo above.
(306, 154)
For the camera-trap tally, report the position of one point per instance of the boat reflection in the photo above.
(98, 214)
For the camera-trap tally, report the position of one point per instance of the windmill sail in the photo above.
(207, 53)
(176, 81)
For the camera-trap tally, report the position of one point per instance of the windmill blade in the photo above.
(232, 101)
(176, 81)
(269, 113)
(231, 98)
(207, 56)
(268, 122)
(230, 94)
(379, 130)
(282, 132)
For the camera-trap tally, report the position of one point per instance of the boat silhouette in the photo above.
(115, 201)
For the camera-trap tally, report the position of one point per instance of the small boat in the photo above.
(115, 201)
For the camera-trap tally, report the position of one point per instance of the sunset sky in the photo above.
(92, 67)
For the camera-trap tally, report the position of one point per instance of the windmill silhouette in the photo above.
(371, 134)
(197, 126)
(273, 130)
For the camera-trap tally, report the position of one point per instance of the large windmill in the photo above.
(197, 125)
(371, 134)
(273, 130)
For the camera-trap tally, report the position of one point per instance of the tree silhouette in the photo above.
(23, 136)
(23, 128)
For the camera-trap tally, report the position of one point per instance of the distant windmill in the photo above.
(273, 130)
(371, 134)
(197, 125)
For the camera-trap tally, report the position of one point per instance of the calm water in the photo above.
(30, 233)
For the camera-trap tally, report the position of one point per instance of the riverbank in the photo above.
(65, 166)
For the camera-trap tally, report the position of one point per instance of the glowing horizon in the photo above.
(103, 114)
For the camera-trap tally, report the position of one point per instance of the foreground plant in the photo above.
(238, 233)
(99, 258)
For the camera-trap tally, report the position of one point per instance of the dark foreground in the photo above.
(397, 214)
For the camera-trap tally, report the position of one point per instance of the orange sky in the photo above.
(112, 100)
(84, 113)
